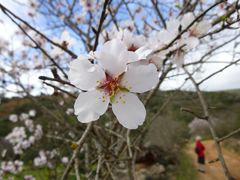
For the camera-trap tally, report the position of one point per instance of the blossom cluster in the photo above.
(44, 158)
(128, 64)
(12, 167)
(197, 125)
(23, 137)
(41, 160)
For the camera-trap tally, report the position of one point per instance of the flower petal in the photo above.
(192, 42)
(173, 26)
(140, 78)
(143, 52)
(128, 57)
(178, 58)
(84, 74)
(187, 19)
(89, 106)
(112, 57)
(129, 110)
(203, 27)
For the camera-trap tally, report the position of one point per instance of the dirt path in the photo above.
(214, 170)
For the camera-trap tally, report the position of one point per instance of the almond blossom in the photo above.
(88, 5)
(133, 42)
(13, 118)
(64, 160)
(32, 113)
(33, 6)
(29, 177)
(65, 41)
(23, 137)
(195, 31)
(13, 167)
(113, 80)
(41, 160)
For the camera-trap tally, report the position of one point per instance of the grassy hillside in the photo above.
(169, 130)
(224, 107)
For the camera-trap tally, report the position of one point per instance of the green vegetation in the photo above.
(232, 144)
(169, 130)
(41, 173)
(185, 169)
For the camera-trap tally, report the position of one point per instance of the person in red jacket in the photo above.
(199, 149)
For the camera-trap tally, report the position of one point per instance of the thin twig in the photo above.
(74, 155)
(212, 130)
(229, 135)
(76, 167)
(5, 11)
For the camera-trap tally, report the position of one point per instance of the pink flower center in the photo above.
(192, 33)
(111, 85)
(133, 48)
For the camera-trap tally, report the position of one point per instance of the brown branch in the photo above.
(212, 130)
(74, 155)
(220, 70)
(102, 18)
(213, 161)
(6, 11)
(194, 113)
(155, 4)
(229, 135)
(186, 29)
(131, 16)
(44, 78)
(36, 44)
(235, 6)
(55, 87)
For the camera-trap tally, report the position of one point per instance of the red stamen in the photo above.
(132, 48)
(110, 85)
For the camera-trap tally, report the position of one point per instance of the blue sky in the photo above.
(228, 79)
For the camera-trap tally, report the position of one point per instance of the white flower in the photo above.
(71, 134)
(18, 165)
(157, 60)
(88, 5)
(128, 24)
(178, 57)
(32, 9)
(61, 103)
(3, 153)
(41, 160)
(38, 132)
(13, 118)
(198, 125)
(26, 144)
(52, 153)
(69, 111)
(31, 139)
(80, 18)
(195, 31)
(29, 177)
(112, 81)
(133, 42)
(32, 113)
(64, 160)
(23, 117)
(29, 124)
(11, 167)
(65, 41)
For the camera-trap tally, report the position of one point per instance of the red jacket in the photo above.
(200, 149)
